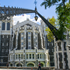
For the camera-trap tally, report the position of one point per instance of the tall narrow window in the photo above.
(21, 38)
(26, 56)
(2, 44)
(38, 56)
(32, 56)
(21, 56)
(8, 26)
(21, 43)
(3, 26)
(29, 37)
(3, 36)
(6, 50)
(2, 60)
(29, 56)
(29, 32)
(2, 50)
(29, 43)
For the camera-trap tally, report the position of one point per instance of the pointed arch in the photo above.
(19, 64)
(30, 64)
(42, 64)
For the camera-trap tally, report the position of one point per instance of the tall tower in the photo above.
(44, 33)
(48, 45)
(5, 34)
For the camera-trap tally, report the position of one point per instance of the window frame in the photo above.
(29, 33)
(8, 25)
(21, 43)
(3, 24)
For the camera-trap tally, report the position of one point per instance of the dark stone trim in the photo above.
(39, 41)
(32, 40)
(19, 41)
(14, 41)
(26, 40)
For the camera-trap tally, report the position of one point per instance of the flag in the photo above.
(23, 15)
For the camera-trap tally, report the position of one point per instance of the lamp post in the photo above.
(52, 28)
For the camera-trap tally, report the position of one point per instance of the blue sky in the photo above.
(29, 4)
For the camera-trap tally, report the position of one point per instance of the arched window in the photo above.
(8, 26)
(3, 26)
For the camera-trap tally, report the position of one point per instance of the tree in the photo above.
(63, 11)
(50, 35)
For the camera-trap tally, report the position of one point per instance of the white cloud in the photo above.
(22, 18)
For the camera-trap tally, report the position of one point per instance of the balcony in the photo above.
(40, 51)
(41, 59)
(30, 50)
(18, 51)
(30, 60)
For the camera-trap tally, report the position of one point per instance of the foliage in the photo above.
(50, 35)
(49, 3)
(64, 20)
(63, 11)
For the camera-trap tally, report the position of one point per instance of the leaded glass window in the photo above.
(3, 26)
(26, 56)
(33, 56)
(29, 37)
(29, 32)
(21, 43)
(21, 56)
(21, 38)
(29, 56)
(8, 26)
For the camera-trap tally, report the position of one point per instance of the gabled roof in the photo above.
(26, 22)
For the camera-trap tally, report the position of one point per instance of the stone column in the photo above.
(28, 56)
(33, 35)
(10, 45)
(24, 57)
(67, 47)
(68, 56)
(14, 58)
(25, 37)
(24, 54)
(17, 39)
(41, 37)
(6, 25)
(62, 46)
(55, 57)
(57, 54)
(0, 34)
(36, 57)
(31, 56)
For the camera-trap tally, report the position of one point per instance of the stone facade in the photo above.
(28, 47)
(61, 54)
(5, 33)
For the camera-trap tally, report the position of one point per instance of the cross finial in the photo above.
(35, 3)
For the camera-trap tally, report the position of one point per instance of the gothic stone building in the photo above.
(25, 44)
(5, 33)
(28, 45)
